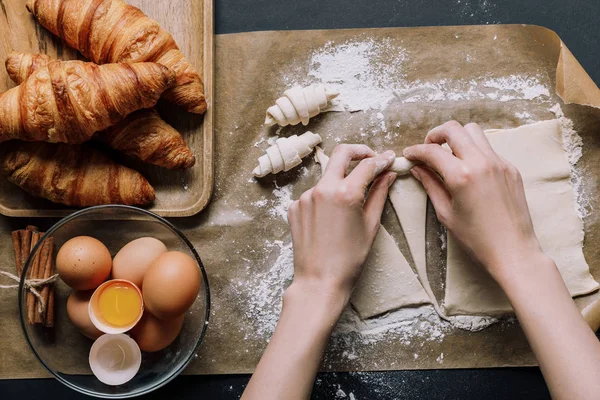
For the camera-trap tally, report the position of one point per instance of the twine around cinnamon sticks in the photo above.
(40, 309)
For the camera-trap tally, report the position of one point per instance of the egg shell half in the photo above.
(115, 359)
(96, 315)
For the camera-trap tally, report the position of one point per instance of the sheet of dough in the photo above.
(410, 204)
(536, 150)
(387, 282)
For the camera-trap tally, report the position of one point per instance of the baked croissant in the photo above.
(112, 31)
(74, 175)
(68, 101)
(142, 134)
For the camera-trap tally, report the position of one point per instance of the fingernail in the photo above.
(391, 155)
(406, 152)
(416, 174)
(381, 165)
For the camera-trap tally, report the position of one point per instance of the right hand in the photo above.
(477, 195)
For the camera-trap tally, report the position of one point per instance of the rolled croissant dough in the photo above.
(537, 152)
(387, 282)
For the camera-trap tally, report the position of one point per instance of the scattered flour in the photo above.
(573, 144)
(264, 306)
(404, 325)
(443, 235)
(357, 71)
(261, 203)
(283, 199)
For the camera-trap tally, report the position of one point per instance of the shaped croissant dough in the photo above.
(286, 153)
(299, 105)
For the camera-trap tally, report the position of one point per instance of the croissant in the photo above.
(286, 153)
(299, 104)
(112, 31)
(68, 101)
(74, 175)
(142, 134)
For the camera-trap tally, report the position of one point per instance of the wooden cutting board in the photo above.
(178, 193)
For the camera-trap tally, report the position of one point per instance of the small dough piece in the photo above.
(402, 166)
(286, 153)
(299, 105)
(536, 151)
(387, 282)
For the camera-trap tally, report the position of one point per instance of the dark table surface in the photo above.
(575, 21)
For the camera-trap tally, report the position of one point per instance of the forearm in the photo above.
(566, 349)
(292, 358)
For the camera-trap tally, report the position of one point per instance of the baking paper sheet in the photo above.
(242, 236)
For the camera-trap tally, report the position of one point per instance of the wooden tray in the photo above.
(178, 193)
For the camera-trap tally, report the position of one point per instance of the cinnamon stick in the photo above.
(45, 273)
(49, 323)
(25, 235)
(16, 238)
(32, 274)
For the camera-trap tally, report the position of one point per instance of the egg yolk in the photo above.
(120, 304)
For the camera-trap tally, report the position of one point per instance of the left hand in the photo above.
(333, 226)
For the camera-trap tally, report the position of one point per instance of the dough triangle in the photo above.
(409, 199)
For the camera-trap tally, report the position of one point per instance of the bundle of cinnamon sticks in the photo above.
(42, 267)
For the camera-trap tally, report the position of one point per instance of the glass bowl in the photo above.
(64, 352)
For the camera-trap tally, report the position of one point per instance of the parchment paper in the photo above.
(237, 239)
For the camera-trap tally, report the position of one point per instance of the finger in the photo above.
(377, 197)
(368, 169)
(457, 138)
(436, 190)
(480, 139)
(434, 156)
(305, 203)
(341, 157)
(293, 216)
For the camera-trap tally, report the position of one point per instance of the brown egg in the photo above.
(171, 285)
(83, 263)
(153, 334)
(134, 259)
(77, 310)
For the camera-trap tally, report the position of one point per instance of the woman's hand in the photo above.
(333, 226)
(481, 200)
(477, 195)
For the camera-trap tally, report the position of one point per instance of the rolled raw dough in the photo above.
(299, 104)
(537, 152)
(387, 282)
(286, 153)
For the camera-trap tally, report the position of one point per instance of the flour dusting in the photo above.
(354, 69)
(264, 306)
(404, 325)
(283, 199)
(366, 79)
(573, 145)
